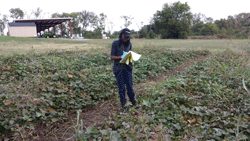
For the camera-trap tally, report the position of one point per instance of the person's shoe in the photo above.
(133, 103)
(123, 110)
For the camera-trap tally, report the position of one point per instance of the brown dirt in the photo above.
(104, 109)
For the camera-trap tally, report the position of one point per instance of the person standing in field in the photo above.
(123, 72)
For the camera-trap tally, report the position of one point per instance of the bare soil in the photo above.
(104, 109)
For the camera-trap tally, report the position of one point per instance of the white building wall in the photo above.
(22, 31)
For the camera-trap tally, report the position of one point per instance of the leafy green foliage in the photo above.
(16, 13)
(209, 29)
(223, 31)
(234, 25)
(173, 21)
(205, 102)
(144, 33)
(92, 35)
(45, 86)
(151, 34)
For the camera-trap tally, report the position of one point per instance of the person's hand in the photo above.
(124, 53)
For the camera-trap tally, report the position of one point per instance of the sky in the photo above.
(140, 10)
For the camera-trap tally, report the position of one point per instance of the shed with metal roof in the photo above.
(41, 24)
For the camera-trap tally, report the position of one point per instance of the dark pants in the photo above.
(125, 77)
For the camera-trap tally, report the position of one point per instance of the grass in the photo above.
(19, 45)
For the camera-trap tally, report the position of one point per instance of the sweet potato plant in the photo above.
(205, 102)
(46, 86)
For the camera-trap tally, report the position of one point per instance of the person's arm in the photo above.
(113, 52)
(115, 57)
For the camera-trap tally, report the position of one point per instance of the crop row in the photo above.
(45, 86)
(205, 102)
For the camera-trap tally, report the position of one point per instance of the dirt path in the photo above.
(103, 109)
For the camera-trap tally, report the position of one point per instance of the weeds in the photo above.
(205, 102)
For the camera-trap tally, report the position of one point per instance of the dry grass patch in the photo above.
(10, 45)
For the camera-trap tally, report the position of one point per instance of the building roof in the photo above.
(22, 24)
(51, 19)
(42, 24)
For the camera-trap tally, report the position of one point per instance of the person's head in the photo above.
(125, 35)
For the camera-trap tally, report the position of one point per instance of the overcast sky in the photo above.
(141, 10)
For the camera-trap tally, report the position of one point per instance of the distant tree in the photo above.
(242, 19)
(127, 20)
(223, 31)
(100, 23)
(16, 13)
(209, 20)
(65, 25)
(110, 25)
(75, 23)
(2, 26)
(173, 21)
(87, 19)
(197, 23)
(28, 15)
(198, 18)
(88, 34)
(116, 33)
(133, 31)
(222, 23)
(151, 34)
(209, 29)
(139, 26)
(3, 23)
(37, 13)
(196, 29)
(144, 33)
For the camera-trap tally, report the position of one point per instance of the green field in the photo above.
(19, 45)
(207, 101)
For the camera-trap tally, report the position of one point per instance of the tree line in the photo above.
(174, 21)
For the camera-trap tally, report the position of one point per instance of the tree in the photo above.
(209, 20)
(223, 31)
(197, 23)
(140, 26)
(173, 21)
(2, 26)
(27, 15)
(3, 22)
(100, 22)
(75, 23)
(209, 29)
(222, 23)
(242, 19)
(152, 35)
(198, 19)
(110, 25)
(127, 20)
(16, 13)
(87, 19)
(133, 31)
(196, 29)
(65, 25)
(116, 33)
(231, 21)
(37, 13)
(143, 32)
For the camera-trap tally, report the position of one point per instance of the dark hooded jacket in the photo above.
(117, 50)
